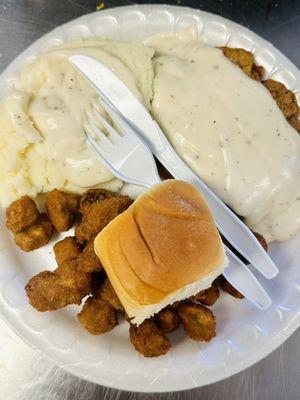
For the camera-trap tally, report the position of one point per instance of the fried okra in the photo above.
(93, 196)
(62, 208)
(48, 291)
(67, 249)
(36, 235)
(245, 60)
(198, 321)
(208, 296)
(168, 320)
(148, 339)
(98, 316)
(72, 275)
(108, 294)
(96, 215)
(88, 261)
(228, 288)
(21, 214)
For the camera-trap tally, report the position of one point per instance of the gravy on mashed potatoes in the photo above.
(43, 142)
(226, 126)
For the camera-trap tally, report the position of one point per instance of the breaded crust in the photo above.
(66, 249)
(148, 339)
(62, 208)
(198, 321)
(21, 214)
(97, 316)
(35, 236)
(168, 320)
(208, 297)
(97, 215)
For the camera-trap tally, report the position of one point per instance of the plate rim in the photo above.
(281, 336)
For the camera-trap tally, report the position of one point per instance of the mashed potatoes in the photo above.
(42, 140)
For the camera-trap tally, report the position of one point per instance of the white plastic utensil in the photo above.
(126, 156)
(130, 159)
(130, 114)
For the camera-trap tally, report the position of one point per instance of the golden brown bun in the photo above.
(163, 242)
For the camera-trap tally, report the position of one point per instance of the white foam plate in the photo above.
(245, 334)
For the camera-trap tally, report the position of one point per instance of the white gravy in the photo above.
(230, 131)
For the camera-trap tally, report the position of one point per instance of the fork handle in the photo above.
(233, 229)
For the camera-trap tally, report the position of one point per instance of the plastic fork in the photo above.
(123, 153)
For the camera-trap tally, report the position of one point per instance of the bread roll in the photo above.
(165, 247)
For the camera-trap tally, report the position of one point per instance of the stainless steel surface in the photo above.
(26, 375)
